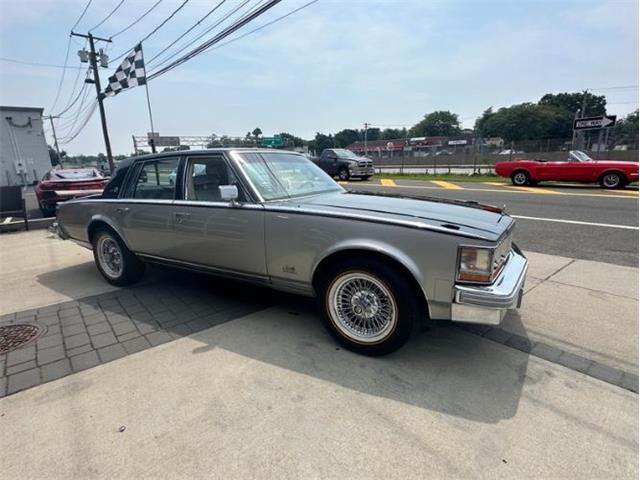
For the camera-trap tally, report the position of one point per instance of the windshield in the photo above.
(579, 156)
(284, 175)
(343, 152)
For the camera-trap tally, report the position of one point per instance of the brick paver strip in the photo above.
(101, 328)
(80, 333)
(614, 376)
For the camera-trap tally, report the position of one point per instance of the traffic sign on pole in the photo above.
(589, 123)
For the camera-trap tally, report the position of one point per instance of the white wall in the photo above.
(23, 144)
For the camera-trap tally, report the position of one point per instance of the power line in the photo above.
(38, 64)
(155, 29)
(64, 71)
(66, 57)
(615, 88)
(82, 14)
(86, 120)
(186, 32)
(137, 20)
(191, 42)
(107, 17)
(262, 26)
(225, 33)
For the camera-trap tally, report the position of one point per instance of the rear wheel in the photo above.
(612, 180)
(520, 178)
(117, 264)
(367, 306)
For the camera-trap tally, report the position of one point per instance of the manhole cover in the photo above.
(15, 336)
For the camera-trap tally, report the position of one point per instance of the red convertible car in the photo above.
(64, 184)
(579, 167)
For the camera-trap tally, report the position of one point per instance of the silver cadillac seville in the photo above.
(376, 263)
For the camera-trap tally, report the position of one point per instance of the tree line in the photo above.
(551, 117)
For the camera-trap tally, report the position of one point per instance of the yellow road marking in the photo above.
(525, 189)
(343, 183)
(447, 185)
(542, 191)
(387, 182)
(496, 190)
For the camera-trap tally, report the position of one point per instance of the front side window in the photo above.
(155, 181)
(284, 175)
(205, 176)
(344, 153)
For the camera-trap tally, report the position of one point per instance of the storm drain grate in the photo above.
(15, 336)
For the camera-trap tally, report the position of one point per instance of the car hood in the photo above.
(449, 216)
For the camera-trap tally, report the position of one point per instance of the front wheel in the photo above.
(117, 264)
(520, 178)
(367, 306)
(343, 174)
(611, 181)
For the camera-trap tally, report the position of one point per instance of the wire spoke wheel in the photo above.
(362, 307)
(110, 256)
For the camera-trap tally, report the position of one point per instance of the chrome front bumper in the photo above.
(489, 304)
(361, 171)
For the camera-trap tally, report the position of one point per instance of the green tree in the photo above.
(291, 140)
(525, 121)
(626, 130)
(346, 137)
(571, 102)
(320, 142)
(53, 156)
(440, 123)
(393, 133)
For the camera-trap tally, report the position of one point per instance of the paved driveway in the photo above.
(185, 376)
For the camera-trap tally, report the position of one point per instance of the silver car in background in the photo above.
(376, 263)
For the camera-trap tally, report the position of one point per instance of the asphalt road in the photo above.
(602, 237)
(601, 210)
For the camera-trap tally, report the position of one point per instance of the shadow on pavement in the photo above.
(442, 368)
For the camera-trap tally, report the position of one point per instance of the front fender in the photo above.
(376, 246)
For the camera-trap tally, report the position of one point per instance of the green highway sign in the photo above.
(275, 141)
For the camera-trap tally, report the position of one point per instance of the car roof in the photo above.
(207, 151)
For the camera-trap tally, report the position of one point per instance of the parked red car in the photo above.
(579, 167)
(60, 185)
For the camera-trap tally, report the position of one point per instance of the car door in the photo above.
(329, 162)
(144, 210)
(214, 233)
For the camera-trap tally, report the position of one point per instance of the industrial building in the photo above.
(24, 156)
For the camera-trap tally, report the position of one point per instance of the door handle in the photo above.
(180, 216)
(122, 209)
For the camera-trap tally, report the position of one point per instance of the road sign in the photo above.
(275, 141)
(163, 141)
(589, 123)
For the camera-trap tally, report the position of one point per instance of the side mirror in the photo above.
(228, 193)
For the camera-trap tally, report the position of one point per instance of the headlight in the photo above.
(475, 264)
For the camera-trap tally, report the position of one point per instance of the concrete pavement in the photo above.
(271, 396)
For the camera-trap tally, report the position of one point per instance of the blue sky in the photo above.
(333, 65)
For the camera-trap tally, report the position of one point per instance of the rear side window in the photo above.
(115, 184)
(157, 180)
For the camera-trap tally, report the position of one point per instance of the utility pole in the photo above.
(366, 127)
(55, 138)
(96, 81)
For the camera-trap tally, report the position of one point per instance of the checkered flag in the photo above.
(129, 74)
